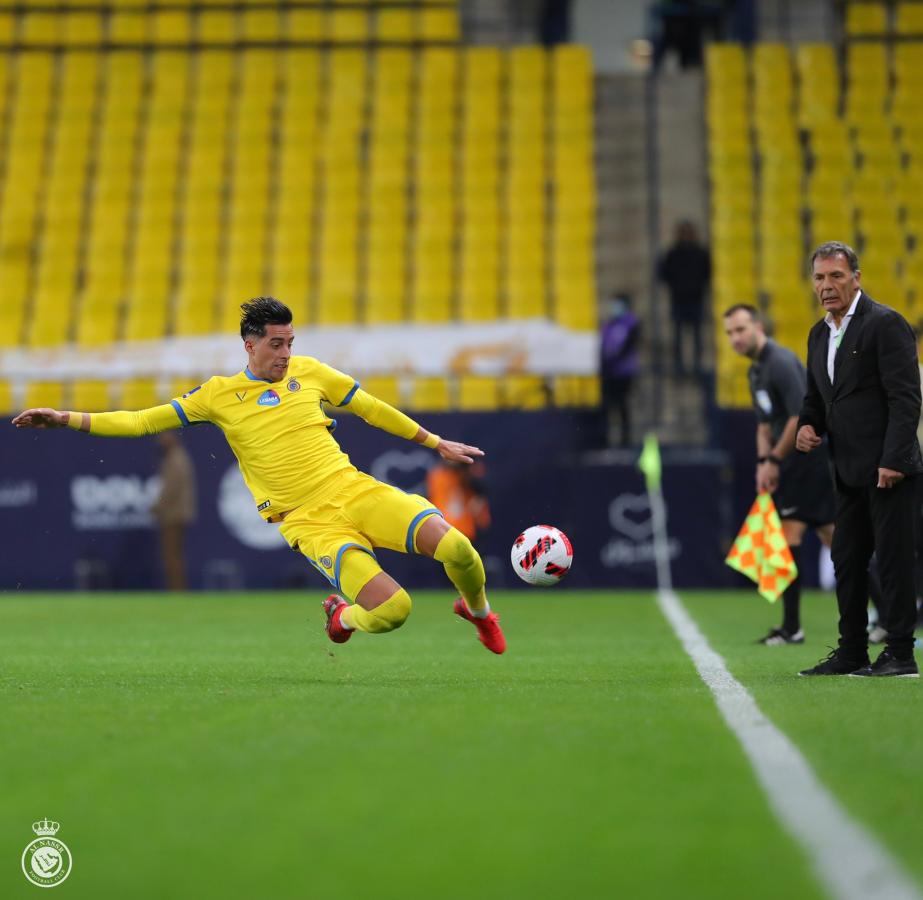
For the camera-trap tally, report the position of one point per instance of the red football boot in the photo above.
(489, 632)
(333, 609)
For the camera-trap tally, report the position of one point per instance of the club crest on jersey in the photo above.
(326, 562)
(294, 385)
(269, 398)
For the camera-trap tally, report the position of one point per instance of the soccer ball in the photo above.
(542, 555)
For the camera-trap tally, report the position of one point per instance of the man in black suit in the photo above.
(863, 392)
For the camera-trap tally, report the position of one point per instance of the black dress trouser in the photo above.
(875, 520)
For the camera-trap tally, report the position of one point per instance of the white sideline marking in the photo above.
(850, 862)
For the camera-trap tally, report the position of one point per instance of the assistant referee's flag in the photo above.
(761, 552)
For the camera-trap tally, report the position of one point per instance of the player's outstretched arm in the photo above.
(122, 423)
(382, 415)
(42, 417)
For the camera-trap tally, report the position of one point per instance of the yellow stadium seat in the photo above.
(430, 394)
(525, 392)
(82, 29)
(478, 392)
(909, 19)
(576, 390)
(304, 25)
(525, 296)
(347, 25)
(90, 396)
(147, 318)
(384, 387)
(138, 393)
(6, 398)
(44, 393)
(195, 313)
(127, 27)
(866, 18)
(216, 27)
(7, 30)
(395, 25)
(260, 25)
(170, 26)
(40, 29)
(439, 24)
(12, 319)
(384, 302)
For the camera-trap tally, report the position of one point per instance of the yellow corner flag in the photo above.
(761, 552)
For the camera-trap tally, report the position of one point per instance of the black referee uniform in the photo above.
(778, 382)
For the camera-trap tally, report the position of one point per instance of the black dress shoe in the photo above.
(888, 664)
(837, 663)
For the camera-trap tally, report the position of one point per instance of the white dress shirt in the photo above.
(836, 334)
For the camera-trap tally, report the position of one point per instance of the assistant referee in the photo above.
(801, 485)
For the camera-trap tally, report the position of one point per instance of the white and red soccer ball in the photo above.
(542, 555)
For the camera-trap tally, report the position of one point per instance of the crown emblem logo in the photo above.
(45, 827)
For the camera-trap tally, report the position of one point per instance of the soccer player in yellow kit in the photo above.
(273, 418)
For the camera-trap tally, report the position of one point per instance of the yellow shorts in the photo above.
(365, 514)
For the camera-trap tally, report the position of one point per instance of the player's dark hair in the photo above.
(260, 312)
(743, 307)
(832, 248)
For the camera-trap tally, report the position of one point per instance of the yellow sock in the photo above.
(385, 617)
(464, 568)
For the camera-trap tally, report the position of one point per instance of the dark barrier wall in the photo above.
(75, 510)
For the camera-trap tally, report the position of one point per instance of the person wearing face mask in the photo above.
(863, 393)
(618, 366)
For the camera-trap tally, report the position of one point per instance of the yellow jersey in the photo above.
(278, 431)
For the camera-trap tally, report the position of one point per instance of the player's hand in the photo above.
(767, 477)
(807, 440)
(452, 451)
(887, 478)
(41, 418)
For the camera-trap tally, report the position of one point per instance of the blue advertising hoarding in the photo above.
(75, 510)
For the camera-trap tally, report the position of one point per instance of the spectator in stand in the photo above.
(618, 365)
(686, 271)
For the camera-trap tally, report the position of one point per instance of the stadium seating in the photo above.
(166, 160)
(793, 163)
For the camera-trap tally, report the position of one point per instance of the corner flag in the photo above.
(649, 462)
(761, 552)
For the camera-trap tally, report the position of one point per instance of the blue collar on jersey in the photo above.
(253, 377)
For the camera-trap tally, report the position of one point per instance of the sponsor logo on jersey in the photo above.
(241, 396)
(269, 398)
(264, 505)
(294, 385)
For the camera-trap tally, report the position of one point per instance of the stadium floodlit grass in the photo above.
(218, 745)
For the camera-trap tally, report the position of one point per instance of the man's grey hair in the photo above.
(831, 248)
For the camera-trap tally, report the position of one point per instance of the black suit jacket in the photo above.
(871, 411)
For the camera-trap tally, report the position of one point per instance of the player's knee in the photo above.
(393, 612)
(456, 550)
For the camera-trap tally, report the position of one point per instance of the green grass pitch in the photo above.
(213, 746)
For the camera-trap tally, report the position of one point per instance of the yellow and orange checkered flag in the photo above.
(761, 552)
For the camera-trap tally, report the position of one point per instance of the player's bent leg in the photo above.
(386, 616)
(461, 561)
(381, 603)
(466, 571)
